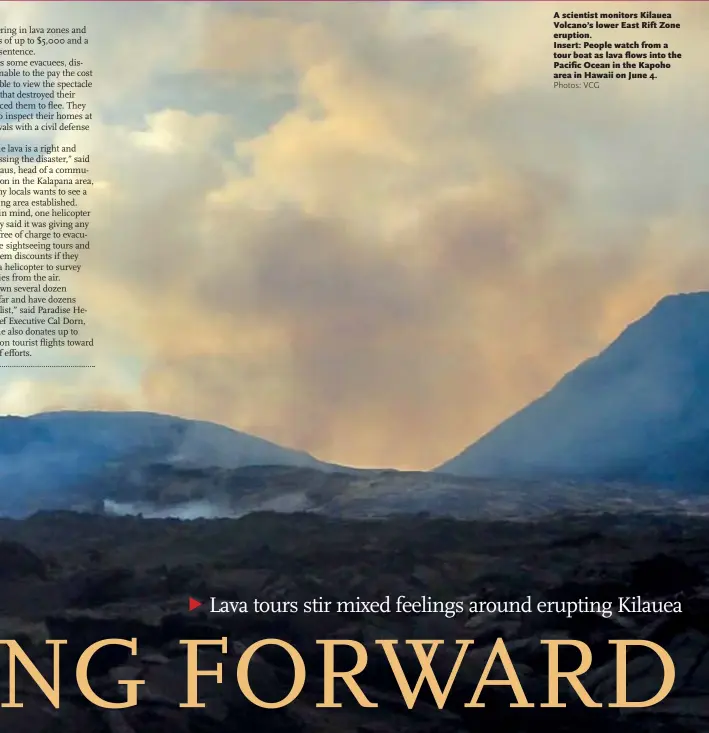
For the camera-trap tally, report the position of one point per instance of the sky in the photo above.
(370, 231)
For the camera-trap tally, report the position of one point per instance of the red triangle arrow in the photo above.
(194, 604)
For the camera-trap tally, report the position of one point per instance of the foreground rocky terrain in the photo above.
(83, 577)
(160, 490)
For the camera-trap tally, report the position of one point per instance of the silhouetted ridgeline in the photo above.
(638, 412)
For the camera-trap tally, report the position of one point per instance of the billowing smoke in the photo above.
(385, 235)
(187, 511)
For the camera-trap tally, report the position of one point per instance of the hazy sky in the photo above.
(368, 230)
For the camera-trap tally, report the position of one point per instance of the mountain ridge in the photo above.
(639, 410)
(637, 413)
(48, 454)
